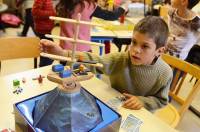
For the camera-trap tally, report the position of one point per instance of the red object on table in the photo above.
(121, 19)
(40, 79)
(107, 47)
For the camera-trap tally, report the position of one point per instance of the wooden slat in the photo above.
(176, 98)
(175, 80)
(72, 40)
(189, 98)
(182, 65)
(180, 84)
(74, 21)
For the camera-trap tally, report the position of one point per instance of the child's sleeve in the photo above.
(158, 100)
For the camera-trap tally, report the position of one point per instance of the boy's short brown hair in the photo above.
(155, 27)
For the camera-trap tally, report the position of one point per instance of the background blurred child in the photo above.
(28, 22)
(184, 26)
(87, 9)
(140, 73)
(41, 11)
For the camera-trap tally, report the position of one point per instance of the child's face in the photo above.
(102, 3)
(143, 49)
(178, 4)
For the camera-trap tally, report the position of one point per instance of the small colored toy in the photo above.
(23, 80)
(58, 68)
(110, 5)
(39, 78)
(17, 88)
(16, 83)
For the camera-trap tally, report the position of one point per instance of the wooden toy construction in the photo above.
(68, 79)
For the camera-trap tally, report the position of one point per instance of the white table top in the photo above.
(95, 86)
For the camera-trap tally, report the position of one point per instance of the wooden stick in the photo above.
(56, 57)
(72, 40)
(90, 64)
(75, 39)
(74, 21)
(62, 58)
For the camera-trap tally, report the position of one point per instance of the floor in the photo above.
(190, 122)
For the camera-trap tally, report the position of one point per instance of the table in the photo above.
(32, 88)
(102, 35)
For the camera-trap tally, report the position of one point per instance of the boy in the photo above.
(184, 26)
(140, 73)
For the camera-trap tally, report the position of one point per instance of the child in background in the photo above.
(27, 5)
(184, 26)
(87, 9)
(41, 11)
(104, 3)
(140, 73)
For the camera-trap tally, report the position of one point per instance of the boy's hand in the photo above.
(132, 102)
(51, 47)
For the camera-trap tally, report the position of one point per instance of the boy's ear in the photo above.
(160, 51)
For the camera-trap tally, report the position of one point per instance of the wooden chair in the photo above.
(171, 114)
(19, 47)
(163, 12)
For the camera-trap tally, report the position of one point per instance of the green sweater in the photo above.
(150, 83)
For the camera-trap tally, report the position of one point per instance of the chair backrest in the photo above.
(19, 47)
(148, 2)
(163, 12)
(181, 71)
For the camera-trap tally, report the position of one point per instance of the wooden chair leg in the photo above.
(191, 79)
(35, 62)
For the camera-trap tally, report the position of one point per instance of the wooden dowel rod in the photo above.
(75, 39)
(62, 58)
(74, 21)
(72, 40)
(56, 57)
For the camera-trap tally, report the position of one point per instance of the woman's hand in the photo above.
(51, 47)
(132, 102)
